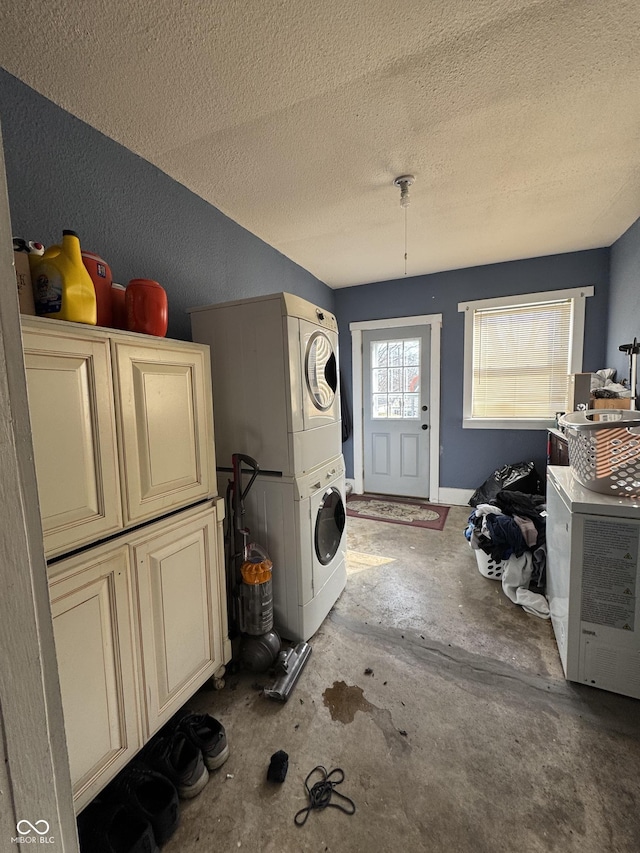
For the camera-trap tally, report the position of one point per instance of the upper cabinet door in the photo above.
(73, 427)
(164, 409)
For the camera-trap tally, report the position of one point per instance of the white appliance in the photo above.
(274, 370)
(301, 523)
(593, 555)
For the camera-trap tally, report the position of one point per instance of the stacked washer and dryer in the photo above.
(274, 369)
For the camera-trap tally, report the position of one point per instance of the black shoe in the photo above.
(208, 735)
(114, 828)
(174, 756)
(150, 795)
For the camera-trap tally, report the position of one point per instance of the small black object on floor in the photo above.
(277, 771)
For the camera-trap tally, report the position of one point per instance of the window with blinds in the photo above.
(521, 358)
(518, 352)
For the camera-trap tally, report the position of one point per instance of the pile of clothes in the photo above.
(511, 530)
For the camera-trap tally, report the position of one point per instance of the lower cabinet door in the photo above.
(179, 612)
(92, 623)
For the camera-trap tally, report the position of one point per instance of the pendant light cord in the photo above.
(405, 241)
(404, 182)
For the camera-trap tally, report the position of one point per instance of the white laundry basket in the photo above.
(489, 567)
(604, 450)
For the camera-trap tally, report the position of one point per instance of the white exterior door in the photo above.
(396, 417)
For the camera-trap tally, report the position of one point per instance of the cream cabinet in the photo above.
(164, 424)
(178, 595)
(94, 635)
(140, 624)
(122, 428)
(74, 439)
(123, 440)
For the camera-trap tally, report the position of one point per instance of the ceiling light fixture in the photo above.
(404, 182)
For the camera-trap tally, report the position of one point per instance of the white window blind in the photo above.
(521, 358)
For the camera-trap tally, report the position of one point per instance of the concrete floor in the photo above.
(465, 737)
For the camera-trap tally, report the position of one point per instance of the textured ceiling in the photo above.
(519, 118)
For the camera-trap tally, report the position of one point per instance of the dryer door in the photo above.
(320, 375)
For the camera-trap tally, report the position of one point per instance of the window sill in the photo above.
(515, 423)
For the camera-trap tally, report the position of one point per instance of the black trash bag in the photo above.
(519, 477)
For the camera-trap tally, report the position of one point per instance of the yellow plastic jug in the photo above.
(62, 287)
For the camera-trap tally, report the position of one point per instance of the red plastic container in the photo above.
(118, 306)
(100, 274)
(147, 307)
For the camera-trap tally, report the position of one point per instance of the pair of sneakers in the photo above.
(188, 747)
(136, 813)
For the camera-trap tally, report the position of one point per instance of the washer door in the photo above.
(321, 371)
(330, 523)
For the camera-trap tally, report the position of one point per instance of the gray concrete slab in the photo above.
(463, 737)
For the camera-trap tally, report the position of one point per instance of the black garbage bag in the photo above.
(519, 477)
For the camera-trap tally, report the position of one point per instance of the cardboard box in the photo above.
(610, 403)
(23, 276)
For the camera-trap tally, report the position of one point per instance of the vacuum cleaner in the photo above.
(250, 594)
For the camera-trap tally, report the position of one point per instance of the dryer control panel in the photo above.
(295, 306)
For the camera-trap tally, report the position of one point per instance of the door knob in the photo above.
(424, 408)
(425, 426)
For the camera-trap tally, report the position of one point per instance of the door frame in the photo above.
(356, 329)
(35, 783)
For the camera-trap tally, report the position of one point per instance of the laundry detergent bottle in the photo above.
(62, 287)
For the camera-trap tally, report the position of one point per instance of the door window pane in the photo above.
(379, 354)
(395, 353)
(411, 407)
(395, 405)
(395, 379)
(412, 352)
(379, 406)
(411, 379)
(379, 380)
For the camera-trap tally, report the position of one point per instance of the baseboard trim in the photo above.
(457, 497)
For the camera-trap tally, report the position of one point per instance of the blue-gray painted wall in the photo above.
(468, 456)
(624, 298)
(61, 173)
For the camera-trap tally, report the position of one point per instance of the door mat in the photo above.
(415, 513)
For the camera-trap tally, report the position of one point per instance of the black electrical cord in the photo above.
(320, 794)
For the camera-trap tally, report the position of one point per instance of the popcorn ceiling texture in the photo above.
(520, 120)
